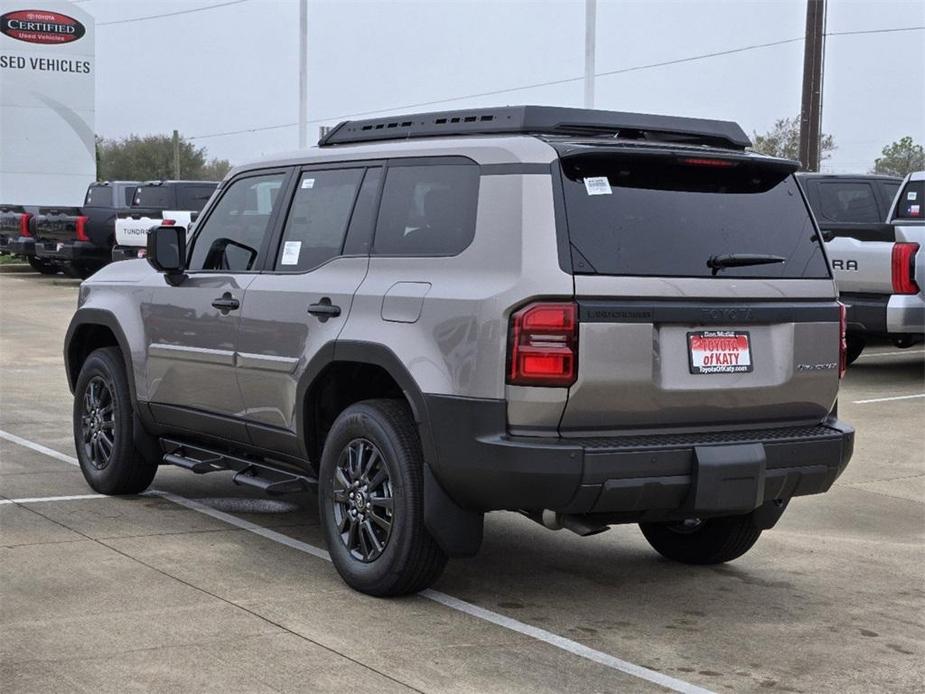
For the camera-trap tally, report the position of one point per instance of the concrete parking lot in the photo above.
(204, 586)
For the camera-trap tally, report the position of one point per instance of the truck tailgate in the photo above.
(861, 267)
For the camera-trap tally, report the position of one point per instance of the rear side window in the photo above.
(193, 198)
(427, 210)
(668, 216)
(909, 205)
(318, 218)
(848, 202)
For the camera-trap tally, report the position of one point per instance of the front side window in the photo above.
(233, 235)
(318, 218)
(427, 210)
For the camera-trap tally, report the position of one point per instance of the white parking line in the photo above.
(895, 397)
(496, 618)
(41, 499)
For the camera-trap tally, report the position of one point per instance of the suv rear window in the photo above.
(156, 197)
(848, 202)
(910, 204)
(666, 215)
(98, 196)
(192, 198)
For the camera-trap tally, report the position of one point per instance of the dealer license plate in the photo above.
(719, 352)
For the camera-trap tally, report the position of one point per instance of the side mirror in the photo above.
(167, 251)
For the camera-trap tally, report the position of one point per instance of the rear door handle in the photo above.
(226, 303)
(324, 309)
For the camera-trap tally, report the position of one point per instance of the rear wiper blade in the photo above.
(718, 262)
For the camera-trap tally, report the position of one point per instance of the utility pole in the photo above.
(811, 108)
(590, 30)
(303, 72)
(176, 155)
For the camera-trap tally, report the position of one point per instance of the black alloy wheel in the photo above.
(98, 423)
(363, 502)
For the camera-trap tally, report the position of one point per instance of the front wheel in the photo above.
(104, 427)
(371, 497)
(707, 541)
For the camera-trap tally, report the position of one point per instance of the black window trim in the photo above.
(440, 160)
(272, 224)
(365, 166)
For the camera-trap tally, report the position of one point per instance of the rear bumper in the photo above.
(71, 251)
(650, 477)
(17, 245)
(885, 314)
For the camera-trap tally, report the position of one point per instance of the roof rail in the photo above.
(540, 120)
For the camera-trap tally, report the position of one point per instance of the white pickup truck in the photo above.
(158, 203)
(879, 267)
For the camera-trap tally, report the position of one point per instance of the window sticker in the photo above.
(291, 250)
(308, 183)
(597, 185)
(915, 210)
(911, 195)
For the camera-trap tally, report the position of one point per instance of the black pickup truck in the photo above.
(16, 237)
(80, 239)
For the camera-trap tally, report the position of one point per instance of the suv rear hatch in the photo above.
(705, 299)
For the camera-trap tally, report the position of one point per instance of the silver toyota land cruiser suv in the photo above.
(588, 317)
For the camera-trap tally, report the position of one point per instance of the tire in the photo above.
(711, 541)
(368, 440)
(43, 267)
(856, 345)
(103, 406)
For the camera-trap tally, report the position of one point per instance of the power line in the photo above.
(551, 83)
(171, 14)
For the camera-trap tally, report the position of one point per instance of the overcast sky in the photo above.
(235, 67)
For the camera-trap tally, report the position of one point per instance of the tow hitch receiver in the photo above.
(728, 479)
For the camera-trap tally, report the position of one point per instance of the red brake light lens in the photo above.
(168, 222)
(903, 268)
(82, 229)
(24, 224)
(842, 340)
(544, 345)
(703, 161)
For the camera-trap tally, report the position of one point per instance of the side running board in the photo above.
(253, 473)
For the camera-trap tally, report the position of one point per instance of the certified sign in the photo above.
(41, 26)
(719, 352)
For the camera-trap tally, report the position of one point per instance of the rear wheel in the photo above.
(104, 427)
(856, 345)
(707, 541)
(371, 497)
(43, 266)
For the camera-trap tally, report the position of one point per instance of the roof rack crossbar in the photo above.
(539, 120)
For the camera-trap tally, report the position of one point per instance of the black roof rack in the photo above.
(540, 120)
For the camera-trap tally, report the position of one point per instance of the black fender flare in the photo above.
(107, 319)
(458, 531)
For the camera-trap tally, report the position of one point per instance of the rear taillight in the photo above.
(81, 227)
(903, 267)
(703, 161)
(544, 345)
(842, 340)
(168, 222)
(24, 224)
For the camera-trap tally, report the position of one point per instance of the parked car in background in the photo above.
(80, 239)
(16, 237)
(874, 231)
(589, 317)
(159, 203)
